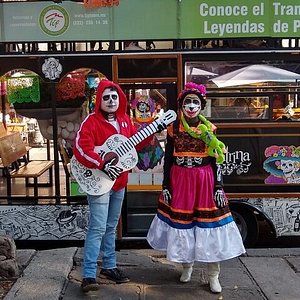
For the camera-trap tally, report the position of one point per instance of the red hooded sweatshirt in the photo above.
(95, 130)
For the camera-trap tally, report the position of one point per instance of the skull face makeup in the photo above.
(109, 101)
(191, 106)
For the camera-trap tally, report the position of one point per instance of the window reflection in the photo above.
(238, 108)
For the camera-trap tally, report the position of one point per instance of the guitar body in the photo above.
(96, 182)
(126, 161)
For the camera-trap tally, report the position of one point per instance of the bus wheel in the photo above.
(247, 224)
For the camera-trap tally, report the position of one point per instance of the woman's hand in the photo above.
(220, 198)
(167, 196)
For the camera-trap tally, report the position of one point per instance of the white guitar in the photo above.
(96, 182)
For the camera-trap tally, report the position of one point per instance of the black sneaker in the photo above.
(89, 284)
(114, 274)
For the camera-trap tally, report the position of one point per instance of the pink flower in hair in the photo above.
(200, 87)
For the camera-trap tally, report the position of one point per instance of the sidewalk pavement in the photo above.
(266, 274)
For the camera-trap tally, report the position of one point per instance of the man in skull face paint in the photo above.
(108, 118)
(193, 221)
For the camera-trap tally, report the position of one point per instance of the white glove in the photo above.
(167, 196)
(220, 198)
(112, 171)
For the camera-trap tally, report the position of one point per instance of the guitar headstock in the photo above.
(168, 117)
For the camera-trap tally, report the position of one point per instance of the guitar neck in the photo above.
(137, 138)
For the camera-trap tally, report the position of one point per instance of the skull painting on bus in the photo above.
(283, 164)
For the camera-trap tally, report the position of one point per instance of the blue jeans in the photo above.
(105, 211)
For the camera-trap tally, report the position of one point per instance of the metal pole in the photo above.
(3, 108)
(55, 146)
(296, 95)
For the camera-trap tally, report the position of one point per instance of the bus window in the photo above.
(239, 91)
(239, 108)
(285, 107)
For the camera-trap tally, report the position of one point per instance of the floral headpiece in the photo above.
(283, 152)
(193, 88)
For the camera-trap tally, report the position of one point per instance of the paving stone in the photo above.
(24, 257)
(274, 276)
(106, 291)
(264, 274)
(169, 293)
(273, 252)
(294, 263)
(45, 276)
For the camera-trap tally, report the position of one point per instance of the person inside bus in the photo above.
(241, 108)
(108, 118)
(281, 108)
(193, 220)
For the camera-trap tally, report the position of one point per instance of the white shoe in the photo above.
(186, 274)
(214, 284)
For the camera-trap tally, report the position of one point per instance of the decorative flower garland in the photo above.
(24, 89)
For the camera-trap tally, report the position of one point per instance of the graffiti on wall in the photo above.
(44, 222)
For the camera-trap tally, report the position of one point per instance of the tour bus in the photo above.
(252, 98)
(47, 88)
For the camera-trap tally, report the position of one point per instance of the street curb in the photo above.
(45, 276)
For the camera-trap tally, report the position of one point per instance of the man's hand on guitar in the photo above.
(112, 171)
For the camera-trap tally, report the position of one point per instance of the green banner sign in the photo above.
(240, 18)
(149, 19)
(71, 21)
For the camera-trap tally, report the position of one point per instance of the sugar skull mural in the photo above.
(283, 164)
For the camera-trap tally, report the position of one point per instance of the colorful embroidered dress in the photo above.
(192, 228)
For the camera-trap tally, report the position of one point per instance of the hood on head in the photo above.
(104, 84)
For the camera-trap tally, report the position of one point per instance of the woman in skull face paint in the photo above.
(193, 221)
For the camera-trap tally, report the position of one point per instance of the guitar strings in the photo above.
(137, 138)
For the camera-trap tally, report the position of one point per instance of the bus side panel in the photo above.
(284, 213)
(261, 160)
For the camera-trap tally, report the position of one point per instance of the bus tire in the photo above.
(247, 225)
